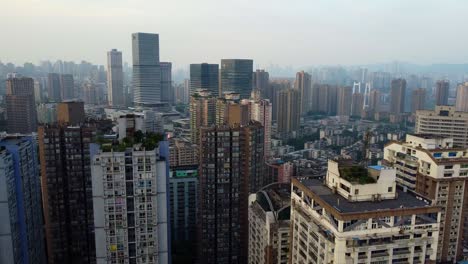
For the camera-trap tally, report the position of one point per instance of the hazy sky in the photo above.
(286, 32)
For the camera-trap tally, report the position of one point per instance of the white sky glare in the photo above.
(294, 32)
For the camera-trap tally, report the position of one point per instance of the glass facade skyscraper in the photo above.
(204, 76)
(236, 76)
(146, 69)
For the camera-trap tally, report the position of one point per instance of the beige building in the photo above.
(430, 166)
(462, 98)
(269, 212)
(71, 112)
(444, 121)
(344, 102)
(418, 99)
(357, 215)
(182, 153)
(288, 111)
(303, 84)
(202, 112)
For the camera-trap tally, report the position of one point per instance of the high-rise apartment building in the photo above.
(53, 87)
(357, 104)
(461, 103)
(442, 92)
(397, 96)
(71, 112)
(374, 100)
(236, 76)
(66, 193)
(67, 87)
(182, 153)
(21, 228)
(444, 121)
(115, 82)
(20, 105)
(227, 175)
(288, 111)
(130, 202)
(204, 76)
(430, 166)
(202, 112)
(358, 215)
(418, 99)
(261, 111)
(167, 92)
(303, 84)
(231, 111)
(344, 102)
(280, 171)
(269, 225)
(146, 69)
(261, 82)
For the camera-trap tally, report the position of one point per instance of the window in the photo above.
(390, 189)
(356, 191)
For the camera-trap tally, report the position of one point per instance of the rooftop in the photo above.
(356, 174)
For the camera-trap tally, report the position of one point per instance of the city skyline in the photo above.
(340, 26)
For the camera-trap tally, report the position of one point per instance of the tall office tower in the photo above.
(418, 99)
(67, 87)
(442, 92)
(433, 168)
(130, 201)
(236, 76)
(374, 100)
(167, 92)
(66, 193)
(71, 112)
(202, 113)
(288, 115)
(22, 232)
(303, 84)
(261, 82)
(204, 76)
(230, 111)
(355, 216)
(20, 105)
(357, 104)
(115, 79)
(146, 69)
(344, 102)
(269, 224)
(462, 98)
(183, 183)
(397, 96)
(444, 121)
(53, 87)
(261, 111)
(223, 197)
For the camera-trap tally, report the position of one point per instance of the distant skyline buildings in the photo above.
(146, 69)
(461, 103)
(442, 92)
(20, 105)
(236, 76)
(115, 78)
(397, 96)
(204, 76)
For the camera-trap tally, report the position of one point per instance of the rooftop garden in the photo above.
(147, 140)
(356, 174)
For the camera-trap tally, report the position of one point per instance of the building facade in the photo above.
(22, 235)
(236, 76)
(288, 111)
(444, 121)
(397, 96)
(146, 69)
(461, 103)
(344, 102)
(20, 105)
(261, 82)
(303, 84)
(204, 76)
(442, 92)
(202, 112)
(167, 91)
(418, 99)
(115, 81)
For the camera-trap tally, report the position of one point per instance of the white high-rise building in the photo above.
(357, 215)
(444, 121)
(130, 202)
(115, 90)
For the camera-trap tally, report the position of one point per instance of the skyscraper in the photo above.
(303, 84)
(236, 76)
(146, 69)
(167, 92)
(462, 98)
(21, 228)
(67, 87)
(397, 96)
(344, 102)
(418, 99)
(442, 92)
(357, 104)
(204, 76)
(230, 111)
(66, 193)
(227, 175)
(20, 105)
(374, 100)
(288, 111)
(130, 202)
(71, 112)
(53, 87)
(115, 89)
(202, 112)
(261, 82)
(261, 111)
